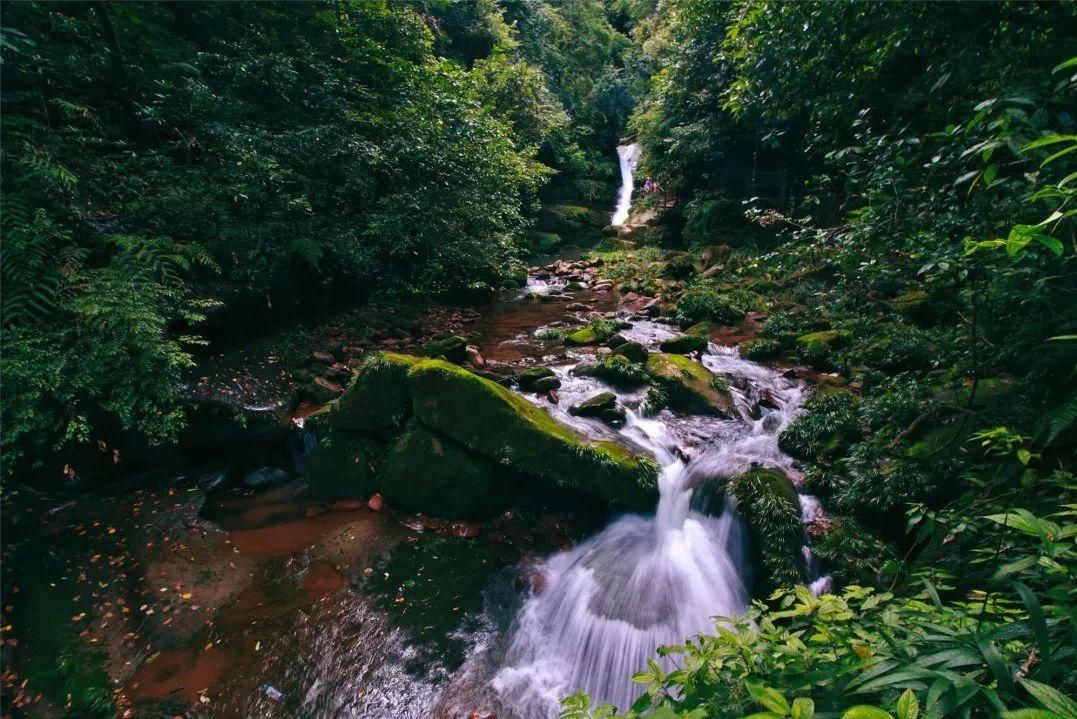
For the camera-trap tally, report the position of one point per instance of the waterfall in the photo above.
(629, 155)
(607, 604)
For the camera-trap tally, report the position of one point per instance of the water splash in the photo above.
(629, 155)
(647, 581)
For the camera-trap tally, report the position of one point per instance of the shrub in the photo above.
(703, 305)
(620, 371)
(761, 348)
(828, 424)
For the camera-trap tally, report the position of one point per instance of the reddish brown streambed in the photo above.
(192, 603)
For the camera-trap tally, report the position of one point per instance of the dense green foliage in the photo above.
(906, 171)
(173, 169)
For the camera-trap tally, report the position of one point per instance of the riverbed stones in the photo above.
(689, 386)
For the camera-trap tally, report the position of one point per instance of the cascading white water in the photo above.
(646, 581)
(629, 156)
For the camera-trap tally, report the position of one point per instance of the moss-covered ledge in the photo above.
(493, 421)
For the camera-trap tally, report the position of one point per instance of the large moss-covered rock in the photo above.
(491, 420)
(426, 472)
(768, 503)
(378, 396)
(585, 336)
(342, 467)
(689, 386)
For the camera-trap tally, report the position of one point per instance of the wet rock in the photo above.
(219, 421)
(430, 473)
(602, 406)
(545, 384)
(690, 386)
(684, 344)
(499, 424)
(582, 337)
(576, 286)
(451, 347)
(341, 467)
(266, 477)
(616, 341)
(475, 358)
(632, 350)
(527, 378)
(714, 254)
(376, 503)
(553, 396)
(578, 307)
(346, 505)
(323, 357)
(465, 530)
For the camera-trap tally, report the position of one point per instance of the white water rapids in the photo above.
(629, 156)
(647, 581)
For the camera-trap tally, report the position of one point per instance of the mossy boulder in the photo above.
(527, 378)
(761, 348)
(584, 336)
(451, 347)
(683, 344)
(913, 305)
(426, 472)
(634, 351)
(615, 369)
(818, 346)
(341, 467)
(602, 406)
(688, 385)
(378, 395)
(495, 422)
(768, 503)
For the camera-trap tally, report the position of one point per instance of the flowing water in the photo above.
(629, 156)
(645, 581)
(350, 612)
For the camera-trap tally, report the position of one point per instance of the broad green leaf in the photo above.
(865, 711)
(1030, 714)
(908, 706)
(1051, 698)
(803, 708)
(769, 698)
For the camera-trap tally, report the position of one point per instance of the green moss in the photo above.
(451, 347)
(585, 336)
(768, 503)
(341, 467)
(634, 351)
(491, 420)
(378, 396)
(602, 406)
(912, 305)
(619, 371)
(528, 377)
(688, 385)
(819, 346)
(762, 348)
(429, 473)
(543, 242)
(683, 344)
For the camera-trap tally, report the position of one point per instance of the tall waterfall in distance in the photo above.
(629, 155)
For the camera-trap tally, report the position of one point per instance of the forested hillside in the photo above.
(906, 171)
(179, 172)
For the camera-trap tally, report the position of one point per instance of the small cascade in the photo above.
(643, 582)
(629, 156)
